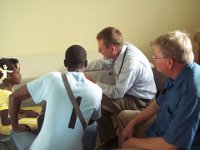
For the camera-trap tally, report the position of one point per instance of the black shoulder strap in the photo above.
(122, 61)
(73, 101)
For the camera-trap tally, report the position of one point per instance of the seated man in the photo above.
(177, 107)
(61, 129)
(134, 82)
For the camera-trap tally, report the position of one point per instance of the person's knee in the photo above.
(128, 115)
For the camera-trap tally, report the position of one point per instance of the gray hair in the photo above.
(176, 45)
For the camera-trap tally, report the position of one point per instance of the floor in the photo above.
(6, 145)
(110, 145)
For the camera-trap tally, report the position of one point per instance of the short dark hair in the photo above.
(111, 35)
(10, 63)
(75, 57)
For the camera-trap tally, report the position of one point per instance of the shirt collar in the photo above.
(176, 83)
(121, 55)
(119, 61)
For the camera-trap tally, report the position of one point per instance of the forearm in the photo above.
(123, 83)
(110, 91)
(99, 65)
(15, 100)
(14, 108)
(149, 143)
(5, 120)
(146, 114)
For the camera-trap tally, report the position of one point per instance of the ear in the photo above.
(170, 63)
(65, 62)
(86, 63)
(113, 48)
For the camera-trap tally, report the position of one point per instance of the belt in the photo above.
(142, 99)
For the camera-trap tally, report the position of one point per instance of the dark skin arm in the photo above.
(27, 114)
(5, 120)
(4, 117)
(15, 100)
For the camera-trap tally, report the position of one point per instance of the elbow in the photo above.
(117, 94)
(169, 146)
(5, 123)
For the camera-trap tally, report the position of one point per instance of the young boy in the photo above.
(62, 129)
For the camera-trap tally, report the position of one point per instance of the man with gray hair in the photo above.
(177, 107)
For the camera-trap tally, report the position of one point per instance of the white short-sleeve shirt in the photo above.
(60, 129)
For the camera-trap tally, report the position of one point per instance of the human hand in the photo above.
(21, 128)
(89, 78)
(126, 133)
(28, 114)
(128, 143)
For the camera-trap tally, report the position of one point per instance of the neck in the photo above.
(118, 51)
(177, 69)
(6, 86)
(75, 69)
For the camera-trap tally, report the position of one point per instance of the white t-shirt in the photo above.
(57, 133)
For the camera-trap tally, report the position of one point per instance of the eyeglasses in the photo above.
(155, 58)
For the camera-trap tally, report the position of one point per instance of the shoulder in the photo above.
(192, 78)
(4, 93)
(46, 79)
(93, 88)
(51, 75)
(188, 81)
(132, 48)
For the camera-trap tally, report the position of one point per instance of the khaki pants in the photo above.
(121, 120)
(106, 130)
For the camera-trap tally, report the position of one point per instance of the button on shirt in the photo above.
(178, 117)
(134, 78)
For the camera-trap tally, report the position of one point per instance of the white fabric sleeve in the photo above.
(100, 64)
(123, 84)
(98, 97)
(38, 88)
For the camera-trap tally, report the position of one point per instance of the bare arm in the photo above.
(15, 100)
(149, 143)
(149, 112)
(4, 117)
(144, 143)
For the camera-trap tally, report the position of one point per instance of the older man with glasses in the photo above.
(177, 107)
